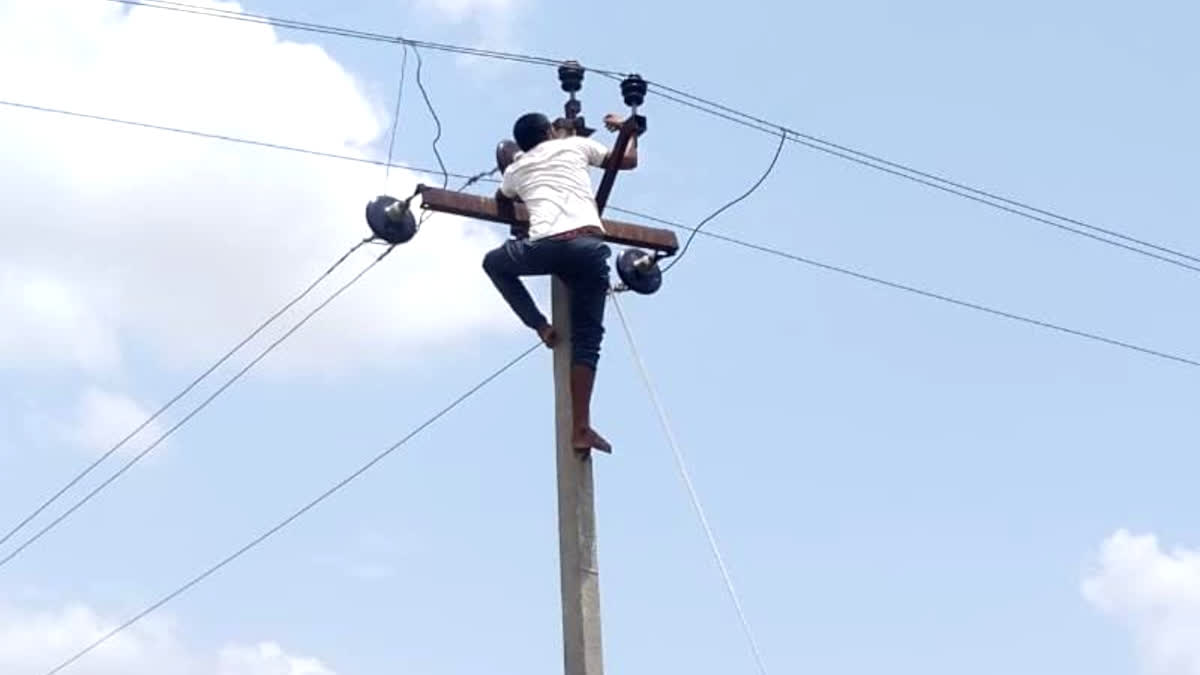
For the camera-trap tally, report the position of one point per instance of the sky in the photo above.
(896, 483)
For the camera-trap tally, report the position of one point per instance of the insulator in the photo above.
(570, 74)
(506, 152)
(633, 89)
(391, 220)
(639, 271)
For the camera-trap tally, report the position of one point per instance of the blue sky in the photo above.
(897, 483)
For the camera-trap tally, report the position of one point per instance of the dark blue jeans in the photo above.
(582, 263)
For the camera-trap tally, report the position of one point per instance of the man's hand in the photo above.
(549, 335)
(614, 122)
(506, 205)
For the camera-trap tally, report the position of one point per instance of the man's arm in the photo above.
(507, 190)
(506, 204)
(630, 160)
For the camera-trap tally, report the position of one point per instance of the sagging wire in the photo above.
(216, 137)
(295, 514)
(290, 24)
(436, 120)
(204, 404)
(761, 179)
(387, 171)
(183, 392)
(927, 179)
(670, 223)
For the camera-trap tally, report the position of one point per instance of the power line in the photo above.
(184, 420)
(937, 182)
(222, 137)
(765, 126)
(325, 29)
(469, 180)
(691, 488)
(668, 223)
(295, 514)
(174, 399)
(1009, 205)
(920, 291)
(1009, 209)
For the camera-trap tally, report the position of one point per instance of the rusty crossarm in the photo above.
(628, 129)
(486, 208)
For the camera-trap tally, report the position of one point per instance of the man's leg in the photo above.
(586, 275)
(504, 266)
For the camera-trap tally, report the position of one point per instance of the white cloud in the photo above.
(34, 641)
(493, 22)
(267, 658)
(1156, 594)
(46, 321)
(105, 418)
(119, 238)
(458, 10)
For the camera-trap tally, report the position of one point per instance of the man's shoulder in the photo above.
(592, 151)
(554, 147)
(572, 142)
(587, 142)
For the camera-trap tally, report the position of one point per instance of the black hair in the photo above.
(531, 129)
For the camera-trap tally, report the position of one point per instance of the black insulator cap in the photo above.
(633, 88)
(570, 74)
(506, 152)
(395, 228)
(639, 271)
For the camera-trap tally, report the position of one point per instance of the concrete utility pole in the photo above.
(583, 653)
(579, 572)
(579, 569)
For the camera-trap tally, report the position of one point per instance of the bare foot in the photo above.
(548, 335)
(587, 438)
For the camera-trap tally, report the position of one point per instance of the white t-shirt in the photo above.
(552, 179)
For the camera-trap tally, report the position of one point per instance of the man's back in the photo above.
(552, 179)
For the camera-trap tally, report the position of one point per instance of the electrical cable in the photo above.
(766, 126)
(948, 186)
(294, 515)
(174, 399)
(663, 221)
(1006, 209)
(387, 171)
(770, 167)
(325, 29)
(204, 404)
(219, 137)
(829, 267)
(436, 120)
(691, 488)
(710, 107)
(471, 179)
(482, 175)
